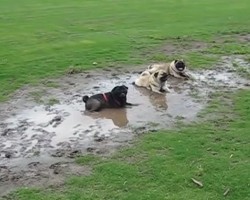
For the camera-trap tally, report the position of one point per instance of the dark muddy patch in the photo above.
(38, 172)
(242, 38)
(38, 142)
(182, 47)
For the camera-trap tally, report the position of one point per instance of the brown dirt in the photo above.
(245, 38)
(183, 47)
(38, 141)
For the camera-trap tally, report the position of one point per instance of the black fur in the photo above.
(156, 74)
(116, 98)
(164, 77)
(85, 98)
(180, 65)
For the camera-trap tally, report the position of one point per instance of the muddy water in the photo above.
(48, 134)
(44, 128)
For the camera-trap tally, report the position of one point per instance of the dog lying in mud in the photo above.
(176, 68)
(155, 81)
(116, 98)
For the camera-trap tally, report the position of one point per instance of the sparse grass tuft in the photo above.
(74, 70)
(53, 101)
(37, 96)
(87, 159)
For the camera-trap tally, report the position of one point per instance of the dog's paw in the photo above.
(165, 90)
(168, 90)
(162, 90)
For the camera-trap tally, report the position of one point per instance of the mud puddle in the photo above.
(38, 141)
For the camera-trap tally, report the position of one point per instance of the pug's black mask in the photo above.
(180, 65)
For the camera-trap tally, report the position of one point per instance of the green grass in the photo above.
(53, 101)
(44, 38)
(242, 70)
(229, 49)
(87, 159)
(41, 39)
(37, 96)
(160, 165)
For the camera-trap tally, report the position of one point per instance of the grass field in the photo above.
(41, 39)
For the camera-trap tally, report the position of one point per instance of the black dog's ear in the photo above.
(156, 74)
(115, 88)
(85, 98)
(124, 87)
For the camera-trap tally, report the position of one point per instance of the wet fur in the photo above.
(116, 98)
(155, 81)
(176, 68)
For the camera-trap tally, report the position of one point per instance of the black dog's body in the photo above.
(117, 98)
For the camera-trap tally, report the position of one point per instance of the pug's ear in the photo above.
(156, 74)
(115, 88)
(175, 61)
(125, 86)
(165, 74)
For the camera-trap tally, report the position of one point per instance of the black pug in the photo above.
(116, 98)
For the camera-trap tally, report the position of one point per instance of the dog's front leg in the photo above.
(184, 75)
(165, 88)
(131, 104)
(157, 90)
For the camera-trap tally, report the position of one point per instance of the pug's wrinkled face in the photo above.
(161, 75)
(180, 65)
(120, 91)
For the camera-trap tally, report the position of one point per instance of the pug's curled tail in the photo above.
(85, 98)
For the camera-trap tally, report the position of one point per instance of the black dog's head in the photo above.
(120, 91)
(180, 65)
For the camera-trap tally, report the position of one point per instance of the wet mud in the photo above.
(38, 141)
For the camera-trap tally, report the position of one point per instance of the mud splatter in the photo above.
(38, 141)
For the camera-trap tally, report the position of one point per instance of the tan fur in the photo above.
(152, 82)
(169, 68)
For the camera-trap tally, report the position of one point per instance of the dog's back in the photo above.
(159, 66)
(93, 103)
(143, 79)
